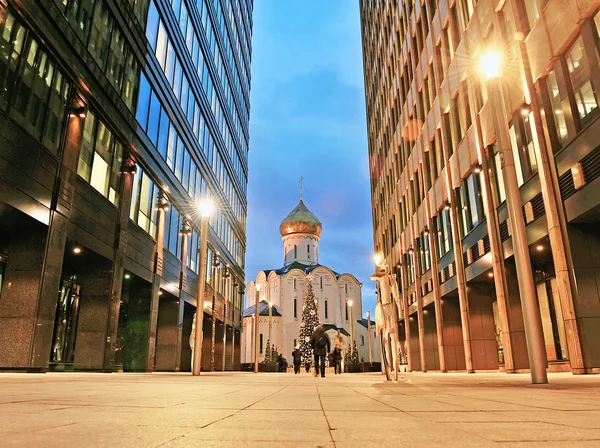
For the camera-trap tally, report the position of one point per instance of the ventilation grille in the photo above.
(566, 185)
(504, 231)
(486, 244)
(465, 259)
(537, 203)
(591, 165)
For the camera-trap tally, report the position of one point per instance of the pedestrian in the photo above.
(321, 346)
(297, 355)
(337, 359)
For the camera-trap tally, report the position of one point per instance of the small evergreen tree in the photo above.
(355, 359)
(309, 322)
(274, 355)
(268, 354)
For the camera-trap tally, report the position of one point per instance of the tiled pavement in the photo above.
(279, 410)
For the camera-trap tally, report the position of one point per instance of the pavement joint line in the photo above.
(242, 409)
(380, 402)
(329, 428)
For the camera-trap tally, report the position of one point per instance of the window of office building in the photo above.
(100, 158)
(470, 203)
(500, 192)
(38, 90)
(102, 24)
(144, 199)
(443, 231)
(583, 89)
(532, 11)
(523, 147)
(173, 238)
(558, 98)
(79, 14)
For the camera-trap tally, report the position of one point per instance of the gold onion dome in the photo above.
(300, 220)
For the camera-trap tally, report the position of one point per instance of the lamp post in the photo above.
(271, 323)
(215, 265)
(369, 336)
(536, 348)
(205, 208)
(256, 314)
(225, 310)
(351, 328)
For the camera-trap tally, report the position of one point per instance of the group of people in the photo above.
(321, 346)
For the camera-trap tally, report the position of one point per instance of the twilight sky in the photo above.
(308, 119)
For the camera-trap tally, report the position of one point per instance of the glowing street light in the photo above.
(256, 313)
(377, 259)
(490, 65)
(206, 208)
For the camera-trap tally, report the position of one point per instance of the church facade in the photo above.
(339, 296)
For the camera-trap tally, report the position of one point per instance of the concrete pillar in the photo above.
(162, 206)
(55, 247)
(515, 317)
(185, 254)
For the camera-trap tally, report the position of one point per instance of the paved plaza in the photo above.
(279, 410)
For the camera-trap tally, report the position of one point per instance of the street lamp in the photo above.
(351, 328)
(215, 265)
(369, 336)
(490, 66)
(226, 275)
(206, 208)
(377, 259)
(270, 323)
(256, 313)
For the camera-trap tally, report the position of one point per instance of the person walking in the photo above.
(297, 356)
(321, 346)
(337, 359)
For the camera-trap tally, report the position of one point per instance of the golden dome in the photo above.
(300, 220)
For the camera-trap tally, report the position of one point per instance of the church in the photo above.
(339, 296)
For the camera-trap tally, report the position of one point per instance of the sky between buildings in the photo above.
(308, 119)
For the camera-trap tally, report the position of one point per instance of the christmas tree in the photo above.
(267, 359)
(310, 321)
(354, 353)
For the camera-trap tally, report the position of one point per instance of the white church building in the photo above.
(339, 296)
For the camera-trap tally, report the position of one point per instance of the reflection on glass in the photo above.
(579, 72)
(65, 323)
(556, 97)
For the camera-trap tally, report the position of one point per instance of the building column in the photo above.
(186, 231)
(437, 298)
(60, 212)
(406, 315)
(163, 206)
(458, 259)
(416, 265)
(126, 185)
(557, 232)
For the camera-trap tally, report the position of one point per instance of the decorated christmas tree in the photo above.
(310, 321)
(268, 355)
(355, 359)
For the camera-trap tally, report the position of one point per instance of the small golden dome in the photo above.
(300, 220)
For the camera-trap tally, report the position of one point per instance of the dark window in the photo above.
(12, 43)
(100, 34)
(326, 310)
(79, 14)
(295, 304)
(261, 343)
(2, 270)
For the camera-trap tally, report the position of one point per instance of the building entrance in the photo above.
(65, 325)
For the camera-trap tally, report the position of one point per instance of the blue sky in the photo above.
(308, 119)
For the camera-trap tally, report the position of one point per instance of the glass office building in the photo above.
(440, 214)
(116, 118)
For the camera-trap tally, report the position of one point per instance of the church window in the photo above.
(362, 340)
(346, 310)
(326, 310)
(346, 288)
(294, 284)
(295, 306)
(261, 343)
(321, 282)
(295, 252)
(295, 342)
(308, 250)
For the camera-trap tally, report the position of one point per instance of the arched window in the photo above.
(346, 310)
(362, 340)
(326, 310)
(260, 346)
(295, 252)
(308, 250)
(346, 288)
(321, 282)
(294, 284)
(295, 306)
